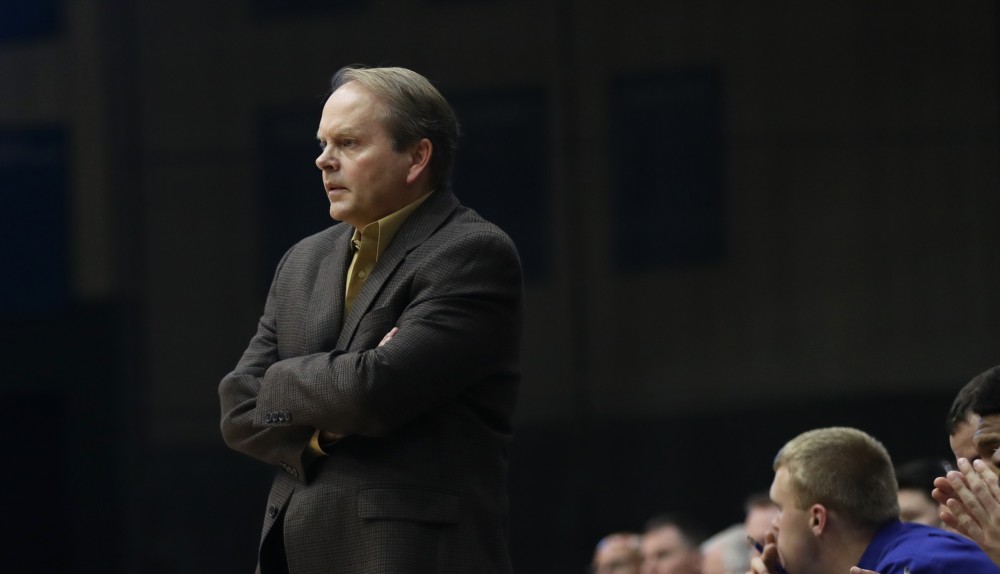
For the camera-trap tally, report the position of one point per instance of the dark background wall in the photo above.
(739, 220)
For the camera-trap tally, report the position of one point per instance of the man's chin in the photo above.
(336, 213)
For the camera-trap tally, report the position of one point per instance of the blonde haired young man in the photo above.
(836, 491)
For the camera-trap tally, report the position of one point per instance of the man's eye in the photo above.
(321, 144)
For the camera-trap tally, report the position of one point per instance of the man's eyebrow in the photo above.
(342, 131)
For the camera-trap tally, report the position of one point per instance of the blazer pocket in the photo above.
(408, 504)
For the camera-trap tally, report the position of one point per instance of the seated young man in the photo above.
(836, 492)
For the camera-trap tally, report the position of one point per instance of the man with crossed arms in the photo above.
(383, 374)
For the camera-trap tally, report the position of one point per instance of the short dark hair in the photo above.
(757, 500)
(919, 474)
(691, 530)
(987, 397)
(414, 109)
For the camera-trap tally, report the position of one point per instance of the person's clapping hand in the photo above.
(971, 504)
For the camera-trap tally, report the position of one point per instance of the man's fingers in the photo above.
(388, 336)
(943, 490)
(767, 560)
(974, 494)
(327, 438)
(949, 518)
(964, 522)
(990, 479)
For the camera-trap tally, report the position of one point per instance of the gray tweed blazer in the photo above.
(418, 483)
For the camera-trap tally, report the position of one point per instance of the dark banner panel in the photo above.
(26, 20)
(34, 257)
(503, 168)
(667, 149)
(293, 202)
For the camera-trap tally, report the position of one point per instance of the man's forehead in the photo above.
(961, 441)
(782, 490)
(613, 542)
(665, 533)
(966, 426)
(780, 481)
(350, 99)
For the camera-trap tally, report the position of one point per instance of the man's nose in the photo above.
(326, 160)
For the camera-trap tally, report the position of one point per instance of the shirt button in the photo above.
(362, 274)
(272, 511)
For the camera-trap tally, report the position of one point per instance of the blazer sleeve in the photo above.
(238, 396)
(460, 328)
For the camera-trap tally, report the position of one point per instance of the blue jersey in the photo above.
(908, 548)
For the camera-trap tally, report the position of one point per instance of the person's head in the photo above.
(726, 552)
(617, 553)
(387, 137)
(833, 487)
(760, 513)
(670, 545)
(916, 481)
(986, 404)
(962, 420)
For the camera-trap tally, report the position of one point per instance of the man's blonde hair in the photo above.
(844, 469)
(412, 109)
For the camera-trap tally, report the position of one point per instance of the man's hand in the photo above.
(388, 336)
(971, 499)
(767, 562)
(327, 437)
(856, 570)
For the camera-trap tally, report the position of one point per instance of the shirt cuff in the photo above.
(314, 447)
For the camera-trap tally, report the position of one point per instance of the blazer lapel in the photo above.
(417, 228)
(327, 300)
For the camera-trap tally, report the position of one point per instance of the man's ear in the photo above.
(818, 515)
(420, 159)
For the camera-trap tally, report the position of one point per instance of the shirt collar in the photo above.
(877, 547)
(382, 231)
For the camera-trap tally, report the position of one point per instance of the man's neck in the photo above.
(844, 549)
